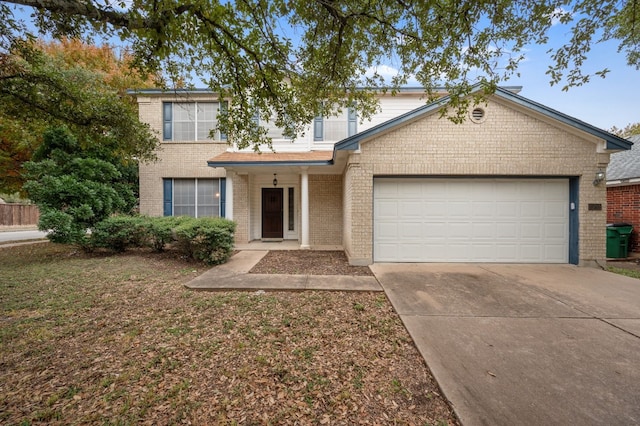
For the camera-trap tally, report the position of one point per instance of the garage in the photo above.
(471, 220)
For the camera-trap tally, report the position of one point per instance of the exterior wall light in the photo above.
(275, 180)
(599, 178)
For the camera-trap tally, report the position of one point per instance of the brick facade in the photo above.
(325, 210)
(175, 159)
(623, 205)
(508, 143)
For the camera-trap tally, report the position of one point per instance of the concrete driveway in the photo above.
(525, 344)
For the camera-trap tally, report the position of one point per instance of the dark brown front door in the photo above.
(272, 212)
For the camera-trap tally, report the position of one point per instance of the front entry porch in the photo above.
(293, 199)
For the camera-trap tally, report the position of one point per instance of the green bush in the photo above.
(160, 230)
(209, 240)
(118, 233)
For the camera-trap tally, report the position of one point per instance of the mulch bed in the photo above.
(308, 262)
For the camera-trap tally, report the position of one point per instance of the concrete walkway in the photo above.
(524, 344)
(234, 275)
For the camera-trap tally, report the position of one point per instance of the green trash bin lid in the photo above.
(620, 228)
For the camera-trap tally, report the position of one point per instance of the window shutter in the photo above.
(318, 130)
(224, 106)
(167, 120)
(167, 188)
(352, 124)
(223, 197)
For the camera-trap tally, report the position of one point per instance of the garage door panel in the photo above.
(387, 231)
(555, 231)
(459, 209)
(507, 209)
(410, 209)
(410, 231)
(531, 230)
(483, 230)
(506, 231)
(555, 209)
(531, 209)
(471, 220)
(387, 209)
(435, 210)
(457, 230)
(483, 209)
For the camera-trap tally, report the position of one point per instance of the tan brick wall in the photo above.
(325, 210)
(175, 159)
(507, 143)
(241, 207)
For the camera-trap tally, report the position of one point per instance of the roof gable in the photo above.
(612, 141)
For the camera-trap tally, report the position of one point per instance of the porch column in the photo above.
(304, 205)
(229, 195)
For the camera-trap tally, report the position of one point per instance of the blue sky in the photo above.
(612, 101)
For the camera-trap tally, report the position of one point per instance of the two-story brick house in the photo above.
(513, 183)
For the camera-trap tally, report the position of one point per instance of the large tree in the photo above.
(71, 84)
(280, 57)
(75, 186)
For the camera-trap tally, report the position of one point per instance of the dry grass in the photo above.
(118, 340)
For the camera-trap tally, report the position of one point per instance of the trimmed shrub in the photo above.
(209, 240)
(161, 230)
(118, 233)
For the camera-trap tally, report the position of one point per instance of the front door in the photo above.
(272, 212)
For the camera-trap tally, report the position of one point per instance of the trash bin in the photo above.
(618, 240)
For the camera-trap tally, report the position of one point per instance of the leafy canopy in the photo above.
(74, 187)
(279, 57)
(72, 84)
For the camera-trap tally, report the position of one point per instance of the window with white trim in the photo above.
(190, 121)
(193, 197)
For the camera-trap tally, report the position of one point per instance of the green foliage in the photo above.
(120, 232)
(279, 58)
(73, 190)
(209, 240)
(626, 132)
(40, 90)
(160, 230)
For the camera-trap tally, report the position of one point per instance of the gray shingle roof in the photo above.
(625, 164)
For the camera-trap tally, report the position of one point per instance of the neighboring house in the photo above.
(623, 190)
(513, 183)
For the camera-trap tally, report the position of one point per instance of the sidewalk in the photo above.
(234, 275)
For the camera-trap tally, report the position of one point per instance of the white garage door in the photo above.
(471, 220)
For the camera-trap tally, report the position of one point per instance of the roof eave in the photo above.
(268, 163)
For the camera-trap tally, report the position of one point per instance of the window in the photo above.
(273, 131)
(335, 128)
(194, 197)
(190, 121)
(291, 210)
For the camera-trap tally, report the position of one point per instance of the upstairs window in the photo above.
(190, 121)
(335, 128)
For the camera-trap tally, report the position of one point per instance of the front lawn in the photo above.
(117, 339)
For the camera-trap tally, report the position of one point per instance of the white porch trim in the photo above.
(304, 206)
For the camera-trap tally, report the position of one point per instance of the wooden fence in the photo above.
(19, 214)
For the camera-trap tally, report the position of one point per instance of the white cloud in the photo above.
(558, 14)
